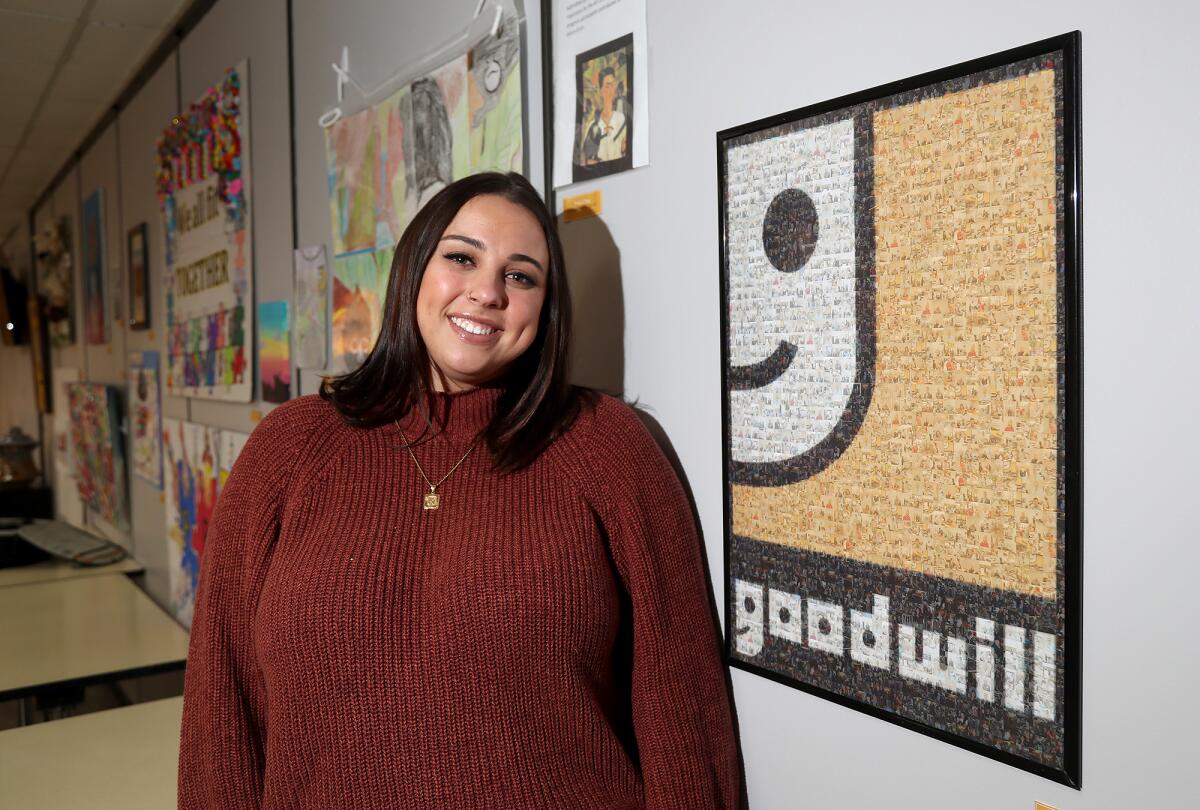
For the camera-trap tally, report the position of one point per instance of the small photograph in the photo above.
(603, 110)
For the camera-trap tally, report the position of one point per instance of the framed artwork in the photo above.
(274, 363)
(145, 417)
(603, 110)
(139, 278)
(902, 402)
(95, 316)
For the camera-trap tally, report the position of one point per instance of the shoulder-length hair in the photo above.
(536, 402)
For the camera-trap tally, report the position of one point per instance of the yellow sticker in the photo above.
(582, 206)
(1040, 806)
(255, 416)
(162, 498)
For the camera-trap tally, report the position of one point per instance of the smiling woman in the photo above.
(452, 579)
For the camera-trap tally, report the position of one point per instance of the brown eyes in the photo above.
(520, 278)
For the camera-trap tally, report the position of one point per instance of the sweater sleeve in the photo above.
(681, 713)
(223, 736)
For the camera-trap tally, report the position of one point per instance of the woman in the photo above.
(452, 580)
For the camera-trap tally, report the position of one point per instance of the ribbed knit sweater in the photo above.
(542, 640)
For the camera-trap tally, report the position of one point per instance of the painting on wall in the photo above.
(56, 280)
(900, 316)
(359, 290)
(145, 417)
(203, 183)
(99, 451)
(274, 363)
(310, 304)
(139, 277)
(91, 243)
(198, 459)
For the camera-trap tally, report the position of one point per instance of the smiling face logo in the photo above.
(799, 264)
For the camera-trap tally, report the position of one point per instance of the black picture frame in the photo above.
(772, 626)
(138, 262)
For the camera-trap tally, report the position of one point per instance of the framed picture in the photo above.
(603, 110)
(902, 402)
(139, 278)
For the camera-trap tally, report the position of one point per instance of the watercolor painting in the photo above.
(359, 290)
(273, 358)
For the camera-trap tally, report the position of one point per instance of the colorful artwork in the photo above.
(273, 360)
(203, 182)
(190, 452)
(95, 318)
(56, 280)
(604, 110)
(311, 306)
(68, 506)
(99, 451)
(145, 417)
(359, 290)
(901, 335)
(494, 102)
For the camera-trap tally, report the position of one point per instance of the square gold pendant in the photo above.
(432, 500)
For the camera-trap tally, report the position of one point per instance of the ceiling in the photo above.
(63, 63)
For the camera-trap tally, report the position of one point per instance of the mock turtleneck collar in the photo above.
(465, 413)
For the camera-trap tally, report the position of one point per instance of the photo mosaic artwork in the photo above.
(901, 456)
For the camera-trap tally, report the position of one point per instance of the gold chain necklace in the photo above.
(432, 499)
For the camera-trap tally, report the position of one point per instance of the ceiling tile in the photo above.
(70, 116)
(35, 39)
(116, 49)
(24, 75)
(84, 81)
(149, 13)
(14, 115)
(68, 9)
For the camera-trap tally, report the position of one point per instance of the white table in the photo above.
(75, 632)
(123, 758)
(56, 569)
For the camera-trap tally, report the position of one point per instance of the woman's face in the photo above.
(482, 292)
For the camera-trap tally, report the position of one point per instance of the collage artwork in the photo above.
(895, 280)
(99, 451)
(387, 161)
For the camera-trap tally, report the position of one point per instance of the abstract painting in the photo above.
(145, 417)
(899, 278)
(95, 318)
(310, 298)
(203, 182)
(273, 358)
(99, 451)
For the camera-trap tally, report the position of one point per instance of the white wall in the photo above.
(714, 65)
(649, 267)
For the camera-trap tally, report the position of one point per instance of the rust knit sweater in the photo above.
(543, 640)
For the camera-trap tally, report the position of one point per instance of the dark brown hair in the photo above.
(536, 402)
